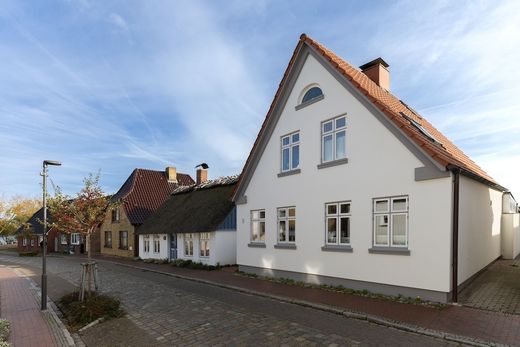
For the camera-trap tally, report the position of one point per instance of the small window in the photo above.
(290, 151)
(75, 238)
(146, 243)
(311, 94)
(287, 225)
(115, 215)
(108, 239)
(24, 241)
(123, 240)
(333, 134)
(32, 242)
(63, 239)
(156, 244)
(338, 223)
(258, 226)
(391, 222)
(204, 244)
(188, 245)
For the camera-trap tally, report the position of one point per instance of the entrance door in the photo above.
(173, 246)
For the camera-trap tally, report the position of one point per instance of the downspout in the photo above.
(455, 236)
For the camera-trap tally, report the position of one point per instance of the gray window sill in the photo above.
(285, 246)
(337, 248)
(256, 245)
(310, 102)
(333, 163)
(289, 173)
(389, 250)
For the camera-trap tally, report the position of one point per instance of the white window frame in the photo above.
(108, 245)
(188, 241)
(286, 218)
(390, 212)
(75, 238)
(63, 239)
(257, 221)
(156, 244)
(32, 242)
(289, 147)
(24, 241)
(333, 132)
(338, 216)
(117, 214)
(146, 243)
(204, 247)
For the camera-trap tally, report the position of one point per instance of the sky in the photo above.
(110, 86)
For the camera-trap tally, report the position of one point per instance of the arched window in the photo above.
(312, 93)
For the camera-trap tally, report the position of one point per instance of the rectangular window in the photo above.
(290, 152)
(146, 243)
(204, 244)
(108, 239)
(287, 224)
(391, 221)
(115, 215)
(156, 244)
(123, 240)
(63, 239)
(337, 217)
(75, 238)
(24, 241)
(188, 245)
(258, 226)
(333, 133)
(32, 242)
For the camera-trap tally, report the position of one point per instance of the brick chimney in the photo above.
(202, 173)
(171, 174)
(377, 71)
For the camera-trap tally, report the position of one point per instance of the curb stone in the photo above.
(347, 313)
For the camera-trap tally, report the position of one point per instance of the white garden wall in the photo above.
(164, 251)
(222, 248)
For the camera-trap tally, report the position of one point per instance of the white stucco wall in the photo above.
(222, 248)
(510, 235)
(480, 211)
(164, 252)
(379, 165)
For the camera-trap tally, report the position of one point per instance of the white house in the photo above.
(197, 223)
(346, 184)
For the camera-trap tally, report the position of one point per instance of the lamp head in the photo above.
(51, 162)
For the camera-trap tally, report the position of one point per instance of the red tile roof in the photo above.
(145, 191)
(445, 153)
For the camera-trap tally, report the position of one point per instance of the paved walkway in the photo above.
(458, 320)
(29, 326)
(496, 289)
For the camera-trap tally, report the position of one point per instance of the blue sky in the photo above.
(115, 85)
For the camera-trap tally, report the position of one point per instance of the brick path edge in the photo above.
(347, 313)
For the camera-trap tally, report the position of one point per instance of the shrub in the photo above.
(79, 314)
(5, 327)
(193, 265)
(28, 254)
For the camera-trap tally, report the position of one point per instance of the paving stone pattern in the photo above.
(178, 312)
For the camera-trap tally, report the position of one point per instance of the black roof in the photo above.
(35, 223)
(195, 209)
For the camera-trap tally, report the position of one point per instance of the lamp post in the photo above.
(46, 163)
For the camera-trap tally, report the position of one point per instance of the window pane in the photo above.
(382, 206)
(399, 230)
(282, 212)
(381, 230)
(341, 122)
(292, 230)
(312, 93)
(281, 231)
(262, 214)
(345, 208)
(254, 214)
(295, 137)
(399, 204)
(255, 231)
(285, 141)
(332, 209)
(295, 156)
(327, 127)
(262, 231)
(331, 230)
(345, 230)
(340, 144)
(285, 159)
(292, 212)
(327, 148)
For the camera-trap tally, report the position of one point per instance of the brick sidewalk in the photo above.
(458, 320)
(19, 306)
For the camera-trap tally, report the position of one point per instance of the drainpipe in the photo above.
(455, 236)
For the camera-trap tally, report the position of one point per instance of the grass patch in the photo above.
(344, 290)
(28, 254)
(78, 314)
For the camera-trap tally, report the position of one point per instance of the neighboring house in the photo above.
(196, 223)
(346, 184)
(142, 193)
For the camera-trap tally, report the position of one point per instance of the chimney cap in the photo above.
(203, 166)
(374, 62)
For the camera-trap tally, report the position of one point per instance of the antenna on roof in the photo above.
(203, 165)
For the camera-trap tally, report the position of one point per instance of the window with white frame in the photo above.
(337, 223)
(287, 224)
(63, 239)
(204, 244)
(146, 243)
(188, 244)
(290, 151)
(32, 242)
(75, 239)
(24, 241)
(156, 244)
(258, 226)
(116, 215)
(333, 133)
(391, 221)
(108, 239)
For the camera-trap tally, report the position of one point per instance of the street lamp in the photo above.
(46, 163)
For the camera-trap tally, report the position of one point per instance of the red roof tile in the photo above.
(145, 191)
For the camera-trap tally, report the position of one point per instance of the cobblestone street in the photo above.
(171, 311)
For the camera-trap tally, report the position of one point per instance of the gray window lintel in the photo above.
(337, 248)
(389, 250)
(310, 102)
(289, 173)
(285, 246)
(256, 245)
(333, 163)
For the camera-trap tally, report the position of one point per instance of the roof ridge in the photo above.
(217, 182)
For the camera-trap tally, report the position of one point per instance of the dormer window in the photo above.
(310, 96)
